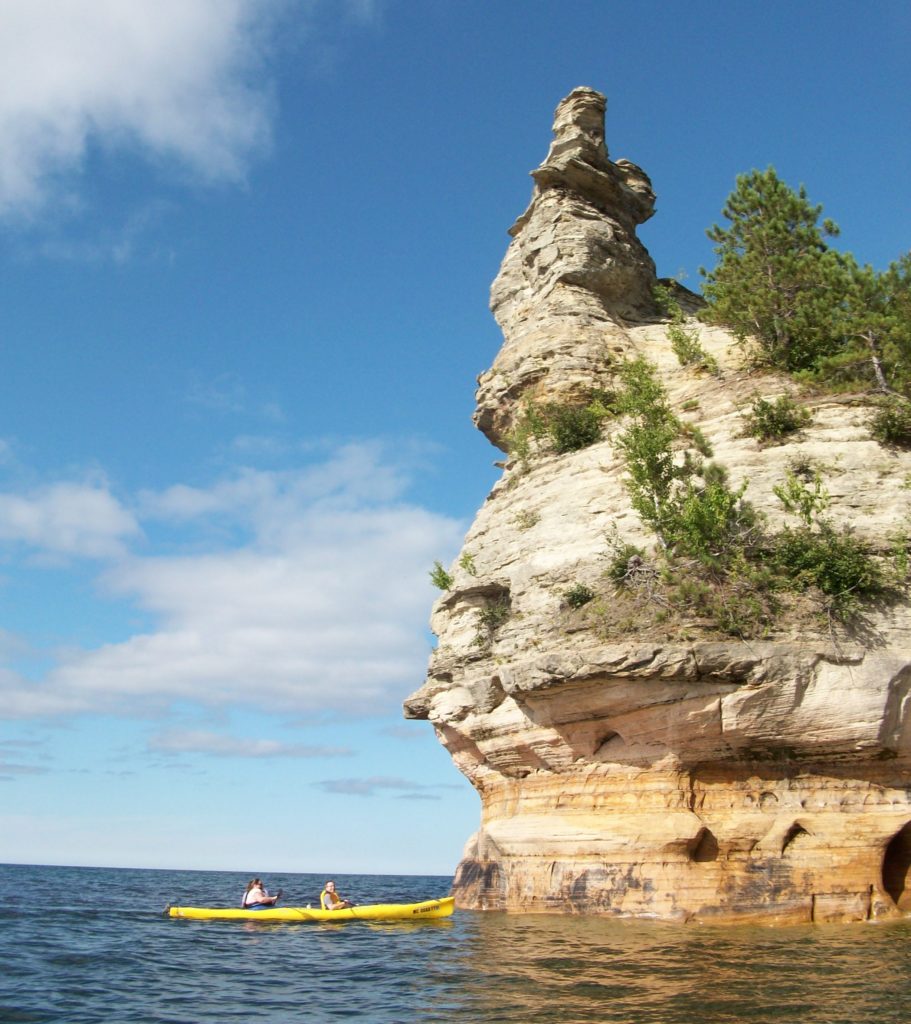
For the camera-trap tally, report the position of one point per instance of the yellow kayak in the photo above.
(428, 910)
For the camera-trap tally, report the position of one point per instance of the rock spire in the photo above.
(573, 271)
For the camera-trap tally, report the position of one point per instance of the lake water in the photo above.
(80, 945)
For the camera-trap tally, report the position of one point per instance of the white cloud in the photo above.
(318, 604)
(72, 519)
(204, 742)
(175, 79)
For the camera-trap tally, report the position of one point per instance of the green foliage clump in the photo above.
(818, 554)
(684, 340)
(891, 423)
(526, 519)
(741, 601)
(648, 445)
(834, 561)
(466, 562)
(560, 427)
(720, 562)
(578, 595)
(799, 500)
(774, 421)
(711, 522)
(491, 617)
(689, 506)
(695, 436)
(625, 558)
(572, 428)
(439, 577)
(874, 350)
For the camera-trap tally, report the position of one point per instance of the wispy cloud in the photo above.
(410, 731)
(12, 769)
(217, 745)
(376, 784)
(366, 12)
(225, 393)
(311, 594)
(128, 241)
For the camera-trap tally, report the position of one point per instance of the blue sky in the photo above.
(246, 249)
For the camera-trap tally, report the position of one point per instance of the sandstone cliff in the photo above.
(653, 766)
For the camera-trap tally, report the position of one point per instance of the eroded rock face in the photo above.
(573, 272)
(658, 771)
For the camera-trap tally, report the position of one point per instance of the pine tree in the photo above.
(776, 279)
(885, 326)
(876, 353)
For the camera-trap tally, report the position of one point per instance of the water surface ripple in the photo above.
(87, 945)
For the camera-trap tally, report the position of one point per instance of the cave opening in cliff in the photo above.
(896, 865)
(794, 833)
(705, 847)
(610, 743)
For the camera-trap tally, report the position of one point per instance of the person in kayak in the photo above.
(257, 898)
(330, 900)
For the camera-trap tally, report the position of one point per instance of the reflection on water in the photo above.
(90, 946)
(567, 969)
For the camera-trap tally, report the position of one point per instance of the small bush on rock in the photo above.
(526, 519)
(578, 595)
(891, 423)
(834, 561)
(491, 617)
(684, 340)
(466, 561)
(560, 427)
(772, 422)
(572, 428)
(439, 577)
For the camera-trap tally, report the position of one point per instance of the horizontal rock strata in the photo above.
(650, 769)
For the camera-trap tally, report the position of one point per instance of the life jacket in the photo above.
(244, 902)
(326, 901)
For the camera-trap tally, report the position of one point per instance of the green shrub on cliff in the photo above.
(439, 577)
(560, 427)
(689, 505)
(773, 422)
(578, 595)
(891, 423)
(684, 340)
(491, 616)
(819, 554)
